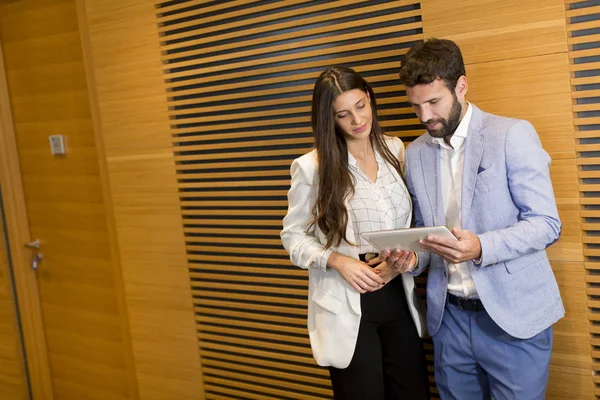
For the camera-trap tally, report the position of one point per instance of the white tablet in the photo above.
(405, 239)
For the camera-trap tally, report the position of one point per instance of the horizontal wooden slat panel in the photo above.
(163, 8)
(285, 58)
(227, 240)
(291, 385)
(257, 9)
(589, 80)
(229, 222)
(238, 259)
(281, 302)
(174, 112)
(181, 91)
(584, 66)
(587, 121)
(263, 389)
(269, 324)
(236, 193)
(251, 341)
(235, 231)
(231, 213)
(239, 164)
(242, 358)
(583, 39)
(239, 203)
(178, 138)
(588, 52)
(239, 103)
(255, 279)
(378, 54)
(221, 7)
(576, 12)
(292, 35)
(581, 26)
(586, 107)
(248, 288)
(286, 25)
(583, 94)
(586, 117)
(275, 49)
(260, 353)
(215, 176)
(300, 311)
(263, 371)
(242, 145)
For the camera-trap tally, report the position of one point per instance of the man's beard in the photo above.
(450, 124)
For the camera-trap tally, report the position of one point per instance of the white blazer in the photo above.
(333, 304)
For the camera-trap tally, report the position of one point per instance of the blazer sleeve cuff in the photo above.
(320, 259)
(487, 250)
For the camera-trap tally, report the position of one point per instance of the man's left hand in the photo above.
(467, 247)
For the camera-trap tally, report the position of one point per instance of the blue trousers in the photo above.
(475, 359)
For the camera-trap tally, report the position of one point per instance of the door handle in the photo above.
(37, 256)
(34, 244)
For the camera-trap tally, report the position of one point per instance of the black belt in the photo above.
(367, 256)
(466, 304)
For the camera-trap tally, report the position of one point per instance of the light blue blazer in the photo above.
(508, 201)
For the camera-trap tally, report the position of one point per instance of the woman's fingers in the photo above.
(368, 280)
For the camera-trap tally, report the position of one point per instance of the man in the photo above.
(492, 297)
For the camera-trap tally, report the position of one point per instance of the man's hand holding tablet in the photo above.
(399, 247)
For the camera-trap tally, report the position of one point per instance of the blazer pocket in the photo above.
(518, 264)
(486, 174)
(326, 301)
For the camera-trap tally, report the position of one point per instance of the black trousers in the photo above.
(388, 362)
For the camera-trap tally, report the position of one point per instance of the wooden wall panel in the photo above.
(583, 27)
(13, 378)
(239, 88)
(513, 88)
(84, 321)
(492, 30)
(130, 118)
(518, 66)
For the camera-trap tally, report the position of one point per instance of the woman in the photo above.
(363, 319)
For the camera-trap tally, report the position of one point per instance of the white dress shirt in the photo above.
(452, 159)
(380, 205)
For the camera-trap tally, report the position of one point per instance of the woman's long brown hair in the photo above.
(335, 180)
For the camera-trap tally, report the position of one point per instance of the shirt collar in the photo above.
(460, 134)
(352, 160)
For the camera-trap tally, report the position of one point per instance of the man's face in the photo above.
(438, 108)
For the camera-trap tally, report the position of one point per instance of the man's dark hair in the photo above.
(431, 59)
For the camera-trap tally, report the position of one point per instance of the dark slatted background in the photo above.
(240, 75)
(583, 26)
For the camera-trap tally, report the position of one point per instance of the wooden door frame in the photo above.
(17, 225)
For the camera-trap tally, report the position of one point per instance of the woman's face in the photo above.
(353, 114)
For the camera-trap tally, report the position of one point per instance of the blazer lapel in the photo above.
(352, 250)
(430, 164)
(473, 154)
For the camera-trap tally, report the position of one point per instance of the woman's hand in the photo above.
(385, 271)
(400, 261)
(358, 274)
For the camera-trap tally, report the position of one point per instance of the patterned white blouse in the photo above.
(380, 205)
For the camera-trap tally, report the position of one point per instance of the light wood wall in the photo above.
(516, 55)
(518, 66)
(85, 327)
(129, 111)
(13, 378)
(115, 285)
